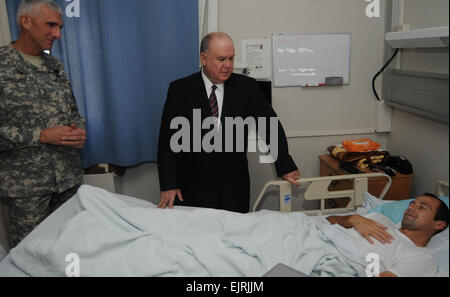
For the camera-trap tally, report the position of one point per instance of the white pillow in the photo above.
(438, 241)
(438, 248)
(370, 202)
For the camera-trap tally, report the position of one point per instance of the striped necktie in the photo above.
(213, 102)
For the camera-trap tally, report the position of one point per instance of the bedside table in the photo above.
(400, 188)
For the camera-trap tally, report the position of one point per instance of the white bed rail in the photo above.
(318, 189)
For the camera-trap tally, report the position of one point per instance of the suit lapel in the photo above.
(227, 99)
(203, 96)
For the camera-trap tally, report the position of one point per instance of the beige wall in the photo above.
(424, 142)
(421, 14)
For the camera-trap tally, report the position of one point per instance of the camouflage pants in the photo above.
(25, 214)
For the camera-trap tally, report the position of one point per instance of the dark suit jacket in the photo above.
(219, 179)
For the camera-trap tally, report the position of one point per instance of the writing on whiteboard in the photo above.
(299, 71)
(308, 60)
(296, 39)
(294, 51)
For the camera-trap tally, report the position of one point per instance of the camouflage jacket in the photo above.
(32, 100)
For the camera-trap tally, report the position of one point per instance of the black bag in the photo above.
(349, 167)
(399, 164)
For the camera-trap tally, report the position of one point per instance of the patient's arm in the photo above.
(366, 227)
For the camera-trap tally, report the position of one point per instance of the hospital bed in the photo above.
(318, 189)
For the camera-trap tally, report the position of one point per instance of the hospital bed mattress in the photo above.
(50, 226)
(67, 213)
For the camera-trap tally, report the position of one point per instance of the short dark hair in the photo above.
(441, 212)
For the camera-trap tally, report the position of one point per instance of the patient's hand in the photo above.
(168, 198)
(369, 228)
(292, 177)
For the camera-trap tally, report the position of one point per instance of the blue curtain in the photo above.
(120, 57)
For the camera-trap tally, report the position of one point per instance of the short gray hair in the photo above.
(206, 41)
(27, 6)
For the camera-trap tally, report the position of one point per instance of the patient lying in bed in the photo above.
(113, 236)
(401, 250)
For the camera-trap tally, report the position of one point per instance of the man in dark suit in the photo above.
(218, 179)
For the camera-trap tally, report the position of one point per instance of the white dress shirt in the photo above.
(220, 92)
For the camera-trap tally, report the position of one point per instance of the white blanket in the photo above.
(112, 236)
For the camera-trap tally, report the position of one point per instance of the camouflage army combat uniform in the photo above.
(34, 177)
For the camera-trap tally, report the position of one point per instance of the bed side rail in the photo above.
(318, 189)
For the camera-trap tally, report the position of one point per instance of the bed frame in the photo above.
(318, 189)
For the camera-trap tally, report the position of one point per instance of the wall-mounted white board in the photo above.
(308, 60)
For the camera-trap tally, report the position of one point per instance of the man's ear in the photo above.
(25, 22)
(203, 58)
(440, 225)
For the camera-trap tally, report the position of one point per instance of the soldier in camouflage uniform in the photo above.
(41, 130)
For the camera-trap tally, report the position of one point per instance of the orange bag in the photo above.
(360, 145)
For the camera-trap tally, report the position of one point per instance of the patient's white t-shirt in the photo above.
(401, 257)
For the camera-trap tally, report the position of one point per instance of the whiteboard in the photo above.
(307, 60)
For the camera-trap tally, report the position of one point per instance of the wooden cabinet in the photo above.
(399, 190)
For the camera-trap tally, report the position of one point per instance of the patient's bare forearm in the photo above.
(344, 221)
(366, 227)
